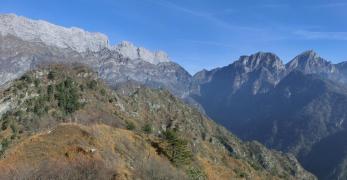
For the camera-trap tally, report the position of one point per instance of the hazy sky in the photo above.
(204, 33)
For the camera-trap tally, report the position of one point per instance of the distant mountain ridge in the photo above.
(72, 38)
(308, 62)
(26, 44)
(290, 107)
(61, 122)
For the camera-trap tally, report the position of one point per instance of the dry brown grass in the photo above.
(98, 142)
(81, 152)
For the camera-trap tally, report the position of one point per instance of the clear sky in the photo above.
(204, 33)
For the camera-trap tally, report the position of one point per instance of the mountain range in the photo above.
(27, 43)
(297, 107)
(62, 122)
(291, 107)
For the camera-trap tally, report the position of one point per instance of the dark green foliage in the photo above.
(50, 91)
(20, 86)
(14, 128)
(255, 165)
(4, 124)
(4, 145)
(52, 75)
(147, 128)
(170, 135)
(92, 84)
(19, 114)
(130, 125)
(196, 174)
(38, 110)
(21, 96)
(242, 174)
(39, 105)
(26, 78)
(103, 92)
(82, 87)
(40, 91)
(67, 96)
(178, 150)
(13, 136)
(37, 82)
(6, 121)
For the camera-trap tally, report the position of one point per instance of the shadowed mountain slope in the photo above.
(62, 121)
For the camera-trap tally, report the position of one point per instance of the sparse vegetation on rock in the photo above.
(128, 132)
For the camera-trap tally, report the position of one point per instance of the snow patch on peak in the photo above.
(50, 34)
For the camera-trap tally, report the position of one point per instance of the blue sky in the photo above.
(204, 33)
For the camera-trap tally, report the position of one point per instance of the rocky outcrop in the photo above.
(50, 34)
(75, 39)
(100, 132)
(291, 107)
(26, 44)
(127, 49)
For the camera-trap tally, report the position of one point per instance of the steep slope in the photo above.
(72, 151)
(95, 139)
(51, 35)
(310, 62)
(232, 88)
(328, 157)
(298, 105)
(26, 43)
(300, 111)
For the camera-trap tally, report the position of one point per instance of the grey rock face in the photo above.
(238, 96)
(250, 74)
(297, 107)
(130, 51)
(18, 56)
(261, 72)
(163, 75)
(310, 62)
(74, 39)
(26, 44)
(50, 34)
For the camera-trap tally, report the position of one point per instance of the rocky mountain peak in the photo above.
(50, 34)
(307, 56)
(310, 53)
(261, 59)
(204, 75)
(130, 51)
(310, 62)
(72, 38)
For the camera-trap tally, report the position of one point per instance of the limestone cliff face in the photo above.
(50, 34)
(26, 44)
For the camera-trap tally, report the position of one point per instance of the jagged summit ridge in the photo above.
(261, 59)
(311, 62)
(72, 38)
(50, 34)
(305, 58)
(127, 49)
